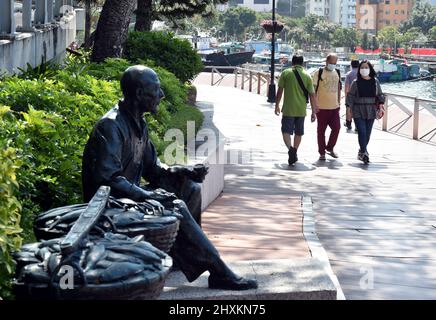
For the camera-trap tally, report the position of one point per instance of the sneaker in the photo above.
(347, 124)
(332, 153)
(292, 156)
(360, 156)
(322, 157)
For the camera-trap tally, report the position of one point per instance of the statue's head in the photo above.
(141, 88)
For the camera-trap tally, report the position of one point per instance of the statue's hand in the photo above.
(161, 195)
(196, 173)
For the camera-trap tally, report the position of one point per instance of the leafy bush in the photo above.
(167, 51)
(10, 230)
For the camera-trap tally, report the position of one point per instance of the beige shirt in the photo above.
(328, 89)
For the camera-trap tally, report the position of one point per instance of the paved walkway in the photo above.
(376, 222)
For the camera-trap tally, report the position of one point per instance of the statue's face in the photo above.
(149, 95)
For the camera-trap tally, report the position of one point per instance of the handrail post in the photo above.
(385, 118)
(416, 120)
(258, 83)
(250, 85)
(211, 78)
(236, 77)
(243, 79)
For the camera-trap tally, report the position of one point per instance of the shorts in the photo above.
(293, 124)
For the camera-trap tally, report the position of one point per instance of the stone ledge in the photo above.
(298, 279)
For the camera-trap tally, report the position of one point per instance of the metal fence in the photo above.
(420, 112)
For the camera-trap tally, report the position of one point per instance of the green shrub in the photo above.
(10, 239)
(167, 51)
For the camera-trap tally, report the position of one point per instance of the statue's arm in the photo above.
(160, 177)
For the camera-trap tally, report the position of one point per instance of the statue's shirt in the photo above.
(118, 148)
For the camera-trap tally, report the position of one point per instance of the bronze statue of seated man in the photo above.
(119, 154)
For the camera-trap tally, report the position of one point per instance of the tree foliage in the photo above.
(345, 37)
(166, 51)
(236, 20)
(423, 17)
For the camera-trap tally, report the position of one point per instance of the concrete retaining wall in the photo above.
(213, 185)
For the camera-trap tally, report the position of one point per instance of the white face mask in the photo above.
(364, 72)
(331, 66)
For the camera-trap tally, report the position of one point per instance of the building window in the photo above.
(261, 1)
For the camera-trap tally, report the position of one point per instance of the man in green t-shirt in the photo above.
(297, 86)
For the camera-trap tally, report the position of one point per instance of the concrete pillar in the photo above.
(27, 15)
(50, 8)
(58, 4)
(7, 17)
(41, 14)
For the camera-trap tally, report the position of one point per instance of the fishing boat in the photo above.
(226, 54)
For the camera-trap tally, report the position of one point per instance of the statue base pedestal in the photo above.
(297, 279)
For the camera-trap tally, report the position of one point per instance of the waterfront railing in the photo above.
(419, 115)
(406, 115)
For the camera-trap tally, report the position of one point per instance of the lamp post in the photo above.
(272, 85)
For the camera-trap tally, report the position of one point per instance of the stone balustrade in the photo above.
(35, 14)
(34, 32)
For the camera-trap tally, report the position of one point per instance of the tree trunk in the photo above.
(143, 15)
(87, 23)
(112, 29)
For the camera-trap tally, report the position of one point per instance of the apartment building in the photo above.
(318, 7)
(342, 12)
(374, 15)
(347, 13)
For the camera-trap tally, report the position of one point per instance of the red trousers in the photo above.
(328, 118)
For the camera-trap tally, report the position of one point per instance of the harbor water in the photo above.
(423, 89)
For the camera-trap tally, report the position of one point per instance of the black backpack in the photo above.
(320, 79)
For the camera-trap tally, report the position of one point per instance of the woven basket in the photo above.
(145, 285)
(161, 236)
(160, 231)
(137, 288)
